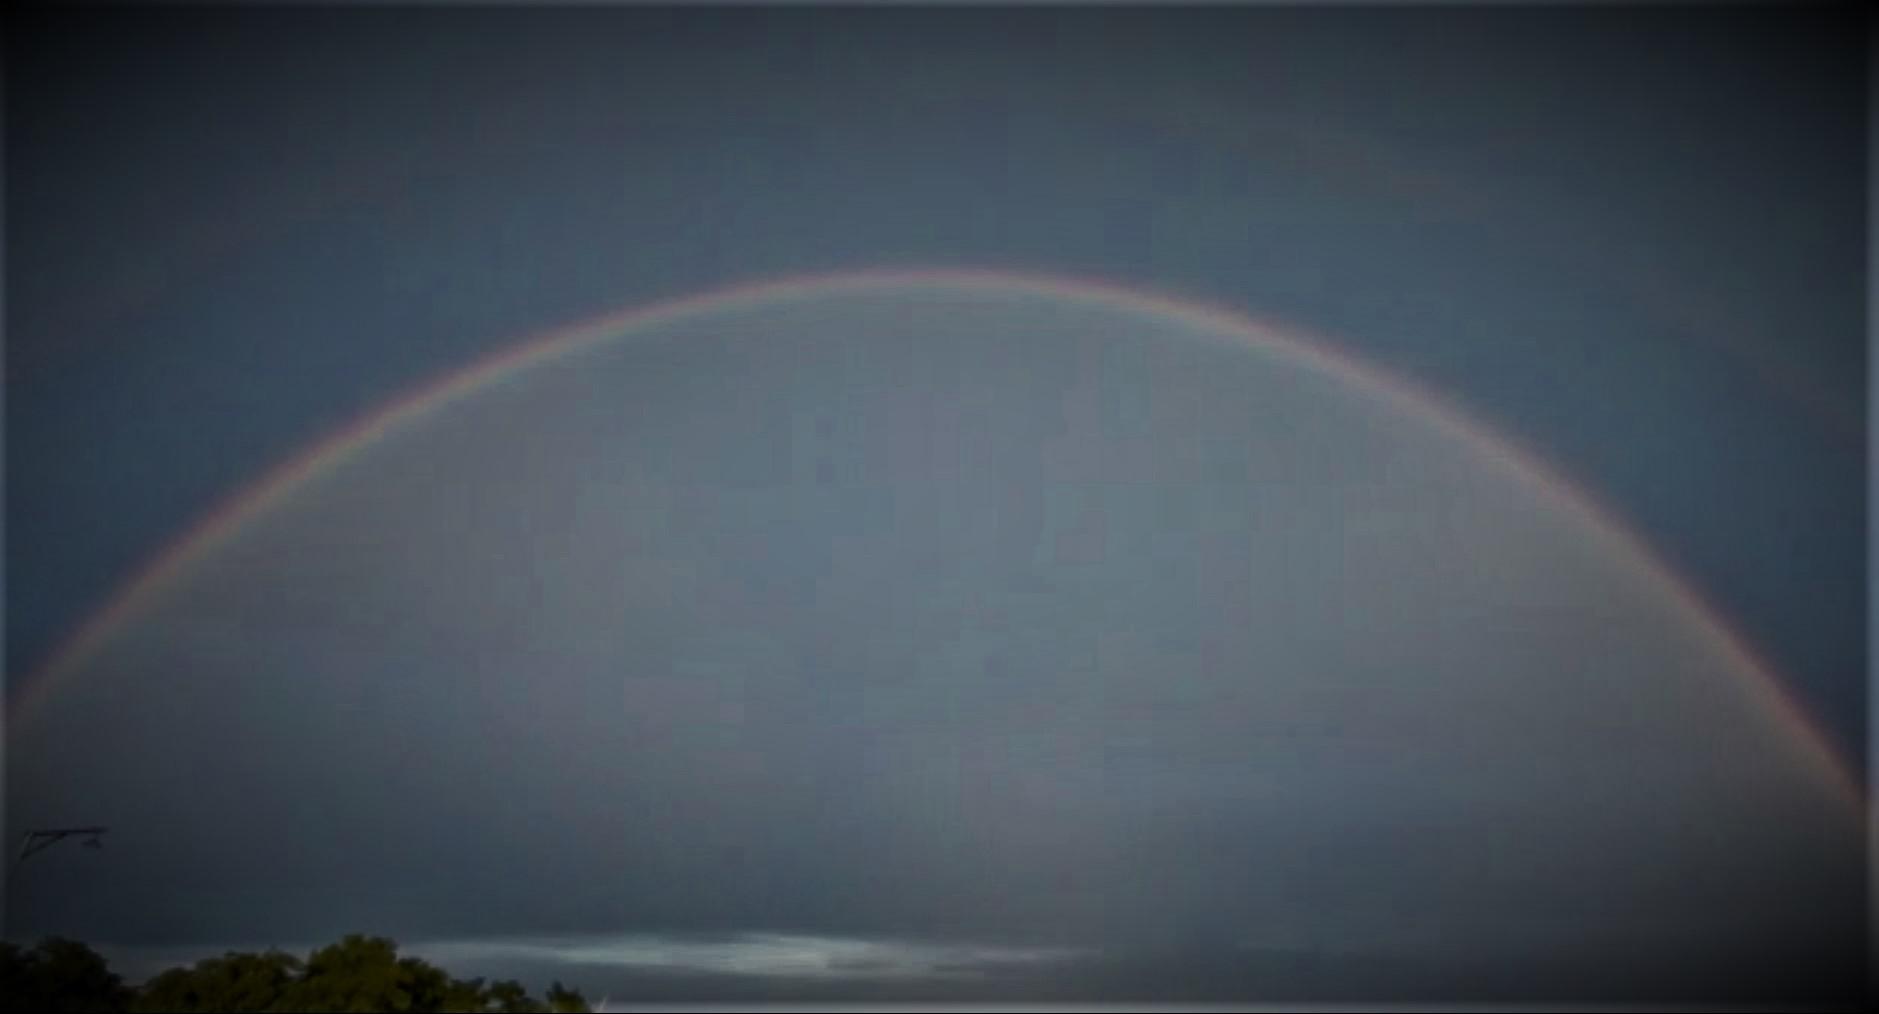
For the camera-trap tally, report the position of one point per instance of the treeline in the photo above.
(359, 973)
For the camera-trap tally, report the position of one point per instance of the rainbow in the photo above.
(235, 514)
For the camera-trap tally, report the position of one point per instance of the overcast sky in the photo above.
(944, 640)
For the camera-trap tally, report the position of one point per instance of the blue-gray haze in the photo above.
(945, 645)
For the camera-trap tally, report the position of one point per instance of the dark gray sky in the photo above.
(953, 641)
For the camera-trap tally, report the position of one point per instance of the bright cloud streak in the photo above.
(756, 954)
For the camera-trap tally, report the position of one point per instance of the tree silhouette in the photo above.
(562, 1000)
(232, 982)
(509, 996)
(358, 973)
(58, 975)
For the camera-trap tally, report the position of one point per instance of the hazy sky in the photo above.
(944, 641)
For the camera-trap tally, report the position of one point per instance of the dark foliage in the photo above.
(359, 973)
